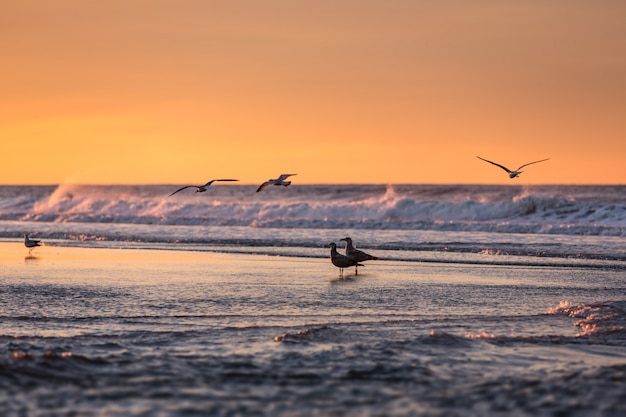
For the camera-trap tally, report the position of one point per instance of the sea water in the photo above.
(486, 300)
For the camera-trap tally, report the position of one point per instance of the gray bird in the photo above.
(339, 260)
(199, 188)
(355, 254)
(512, 174)
(31, 243)
(277, 181)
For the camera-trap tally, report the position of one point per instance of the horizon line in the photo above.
(516, 183)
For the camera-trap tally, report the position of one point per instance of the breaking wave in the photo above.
(547, 210)
(596, 320)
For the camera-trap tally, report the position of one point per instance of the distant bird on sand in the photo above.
(199, 188)
(339, 260)
(278, 181)
(31, 243)
(355, 254)
(512, 174)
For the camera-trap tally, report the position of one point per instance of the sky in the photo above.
(337, 91)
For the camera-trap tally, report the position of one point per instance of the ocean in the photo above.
(486, 300)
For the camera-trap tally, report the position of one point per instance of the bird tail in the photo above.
(286, 183)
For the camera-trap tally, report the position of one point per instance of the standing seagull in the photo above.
(512, 174)
(355, 254)
(278, 181)
(31, 243)
(199, 188)
(339, 260)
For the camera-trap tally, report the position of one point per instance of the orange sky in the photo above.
(350, 91)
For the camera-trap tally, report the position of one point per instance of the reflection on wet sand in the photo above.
(31, 258)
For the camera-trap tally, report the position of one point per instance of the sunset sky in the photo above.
(347, 91)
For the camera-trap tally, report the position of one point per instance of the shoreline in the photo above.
(118, 327)
(418, 257)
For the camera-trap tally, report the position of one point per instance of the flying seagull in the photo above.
(512, 174)
(278, 181)
(339, 260)
(199, 188)
(31, 243)
(355, 254)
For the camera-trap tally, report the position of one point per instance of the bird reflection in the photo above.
(30, 259)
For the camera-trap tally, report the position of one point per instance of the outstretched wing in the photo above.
(498, 165)
(284, 177)
(264, 186)
(212, 181)
(181, 189)
(530, 163)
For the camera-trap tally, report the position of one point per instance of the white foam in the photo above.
(492, 210)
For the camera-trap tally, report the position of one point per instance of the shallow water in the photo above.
(486, 301)
(133, 332)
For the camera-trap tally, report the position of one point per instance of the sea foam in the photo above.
(461, 208)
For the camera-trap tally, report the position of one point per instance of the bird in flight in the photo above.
(512, 174)
(277, 181)
(199, 188)
(339, 260)
(355, 254)
(31, 243)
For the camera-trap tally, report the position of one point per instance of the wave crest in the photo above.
(367, 207)
(596, 319)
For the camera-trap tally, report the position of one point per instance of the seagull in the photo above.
(278, 181)
(199, 188)
(31, 243)
(355, 254)
(339, 260)
(512, 174)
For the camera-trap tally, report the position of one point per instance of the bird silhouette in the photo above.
(31, 243)
(339, 260)
(512, 174)
(199, 188)
(277, 181)
(355, 254)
